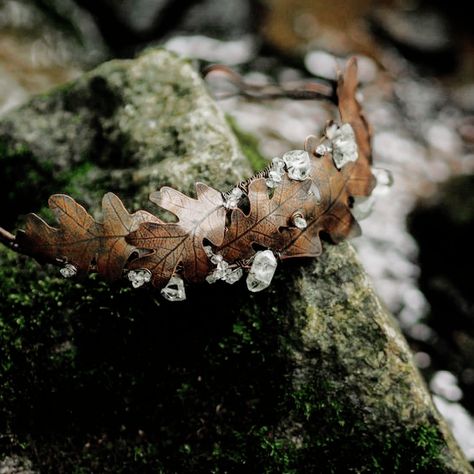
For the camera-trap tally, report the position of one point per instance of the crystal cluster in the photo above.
(344, 146)
(139, 277)
(223, 271)
(174, 290)
(233, 198)
(277, 170)
(68, 271)
(298, 164)
(261, 273)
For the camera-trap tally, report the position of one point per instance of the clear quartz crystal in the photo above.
(299, 221)
(344, 146)
(174, 290)
(223, 270)
(261, 273)
(139, 277)
(234, 276)
(208, 250)
(314, 192)
(276, 172)
(68, 271)
(233, 198)
(362, 207)
(225, 273)
(298, 164)
(384, 181)
(331, 130)
(212, 278)
(322, 149)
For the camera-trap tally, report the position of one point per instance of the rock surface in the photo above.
(311, 375)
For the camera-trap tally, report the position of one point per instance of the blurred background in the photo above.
(416, 61)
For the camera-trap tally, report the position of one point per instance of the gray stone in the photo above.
(129, 125)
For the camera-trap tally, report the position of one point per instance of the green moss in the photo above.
(249, 146)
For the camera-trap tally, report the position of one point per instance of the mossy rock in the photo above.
(311, 375)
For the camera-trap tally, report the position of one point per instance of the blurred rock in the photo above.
(223, 19)
(421, 35)
(61, 32)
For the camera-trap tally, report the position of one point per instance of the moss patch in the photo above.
(249, 146)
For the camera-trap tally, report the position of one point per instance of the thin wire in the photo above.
(294, 90)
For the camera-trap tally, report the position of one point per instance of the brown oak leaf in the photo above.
(327, 211)
(324, 201)
(80, 240)
(181, 242)
(114, 250)
(335, 187)
(266, 216)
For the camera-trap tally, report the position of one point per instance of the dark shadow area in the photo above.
(444, 230)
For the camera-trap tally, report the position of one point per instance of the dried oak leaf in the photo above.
(324, 200)
(336, 188)
(181, 243)
(80, 240)
(326, 210)
(266, 216)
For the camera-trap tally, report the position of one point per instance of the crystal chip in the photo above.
(174, 290)
(216, 259)
(344, 146)
(139, 277)
(276, 172)
(322, 149)
(299, 221)
(298, 164)
(233, 198)
(223, 270)
(208, 250)
(233, 276)
(362, 207)
(331, 130)
(212, 278)
(274, 179)
(68, 270)
(261, 273)
(278, 165)
(314, 191)
(384, 181)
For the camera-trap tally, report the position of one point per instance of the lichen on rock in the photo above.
(311, 375)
